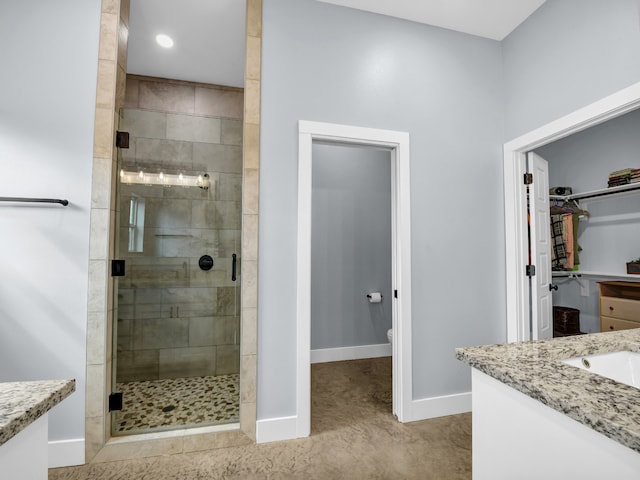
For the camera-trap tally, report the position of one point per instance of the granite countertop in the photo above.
(22, 403)
(535, 369)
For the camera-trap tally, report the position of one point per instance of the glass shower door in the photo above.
(177, 306)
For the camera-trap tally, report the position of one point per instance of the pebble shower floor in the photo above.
(157, 405)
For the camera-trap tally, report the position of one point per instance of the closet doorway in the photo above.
(525, 294)
(397, 146)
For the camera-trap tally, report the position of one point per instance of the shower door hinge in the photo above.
(528, 178)
(531, 271)
(122, 139)
(115, 401)
(117, 268)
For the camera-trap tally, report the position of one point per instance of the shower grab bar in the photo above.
(233, 267)
(35, 200)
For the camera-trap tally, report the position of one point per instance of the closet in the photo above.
(608, 227)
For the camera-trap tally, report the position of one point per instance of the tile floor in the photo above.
(167, 404)
(353, 436)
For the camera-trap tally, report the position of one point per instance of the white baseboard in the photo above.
(276, 429)
(66, 453)
(350, 353)
(285, 428)
(426, 408)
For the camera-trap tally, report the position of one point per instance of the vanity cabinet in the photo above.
(24, 426)
(528, 404)
(619, 306)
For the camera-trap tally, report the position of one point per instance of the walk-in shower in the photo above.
(177, 304)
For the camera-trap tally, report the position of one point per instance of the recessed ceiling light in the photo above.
(164, 41)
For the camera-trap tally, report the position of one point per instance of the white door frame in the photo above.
(398, 144)
(516, 247)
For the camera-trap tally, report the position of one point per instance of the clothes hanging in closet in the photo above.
(558, 252)
(564, 235)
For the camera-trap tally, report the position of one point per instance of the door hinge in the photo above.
(115, 401)
(395, 294)
(122, 139)
(528, 178)
(531, 270)
(117, 268)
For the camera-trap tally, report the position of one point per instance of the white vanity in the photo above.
(24, 408)
(535, 416)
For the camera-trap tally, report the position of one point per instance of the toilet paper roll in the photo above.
(374, 297)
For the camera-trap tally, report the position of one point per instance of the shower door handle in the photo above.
(233, 267)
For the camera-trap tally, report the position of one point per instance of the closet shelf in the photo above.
(587, 273)
(603, 192)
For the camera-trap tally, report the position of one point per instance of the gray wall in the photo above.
(568, 54)
(350, 245)
(609, 238)
(327, 63)
(47, 101)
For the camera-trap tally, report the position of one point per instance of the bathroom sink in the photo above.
(623, 367)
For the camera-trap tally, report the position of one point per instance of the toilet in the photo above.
(390, 335)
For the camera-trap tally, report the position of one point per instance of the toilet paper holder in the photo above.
(374, 297)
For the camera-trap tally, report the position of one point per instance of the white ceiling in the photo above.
(493, 19)
(208, 40)
(209, 34)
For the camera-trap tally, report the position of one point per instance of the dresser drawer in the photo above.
(620, 308)
(608, 324)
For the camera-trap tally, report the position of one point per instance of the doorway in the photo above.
(397, 144)
(350, 251)
(351, 280)
(519, 298)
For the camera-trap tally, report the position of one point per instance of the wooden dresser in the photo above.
(619, 306)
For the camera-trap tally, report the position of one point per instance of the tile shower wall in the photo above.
(174, 319)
